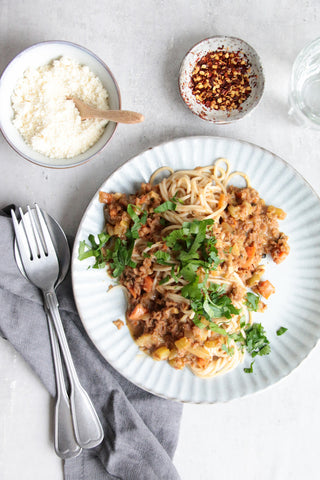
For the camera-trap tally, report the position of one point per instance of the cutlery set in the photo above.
(77, 424)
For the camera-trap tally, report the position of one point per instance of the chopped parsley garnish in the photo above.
(164, 280)
(188, 232)
(189, 271)
(164, 207)
(163, 258)
(168, 205)
(120, 256)
(256, 341)
(249, 369)
(94, 249)
(193, 247)
(193, 254)
(226, 348)
(133, 232)
(209, 303)
(174, 274)
(252, 301)
(120, 251)
(242, 321)
(163, 222)
(192, 250)
(281, 331)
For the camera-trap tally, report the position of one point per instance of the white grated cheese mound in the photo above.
(48, 122)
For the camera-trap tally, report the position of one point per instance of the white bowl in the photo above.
(256, 78)
(42, 54)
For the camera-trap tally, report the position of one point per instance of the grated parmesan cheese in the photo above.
(48, 122)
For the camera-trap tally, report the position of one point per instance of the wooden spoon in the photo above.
(119, 116)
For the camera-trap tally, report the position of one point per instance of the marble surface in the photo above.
(269, 435)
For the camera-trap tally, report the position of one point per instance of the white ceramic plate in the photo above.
(296, 304)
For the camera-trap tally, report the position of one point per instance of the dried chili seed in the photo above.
(220, 80)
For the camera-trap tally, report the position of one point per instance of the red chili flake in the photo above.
(220, 80)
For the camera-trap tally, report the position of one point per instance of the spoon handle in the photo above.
(65, 443)
(119, 116)
(87, 427)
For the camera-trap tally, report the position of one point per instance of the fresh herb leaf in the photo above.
(174, 236)
(186, 257)
(189, 272)
(120, 256)
(163, 258)
(242, 321)
(168, 205)
(144, 217)
(176, 199)
(215, 328)
(164, 207)
(197, 321)
(256, 340)
(281, 331)
(207, 302)
(212, 310)
(173, 275)
(131, 209)
(191, 242)
(210, 253)
(265, 350)
(83, 251)
(192, 291)
(238, 337)
(252, 301)
(223, 304)
(133, 232)
(230, 351)
(164, 280)
(249, 369)
(94, 249)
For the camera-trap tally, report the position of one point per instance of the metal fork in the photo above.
(65, 443)
(41, 266)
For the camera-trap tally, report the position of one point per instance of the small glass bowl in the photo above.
(304, 95)
(256, 78)
(42, 54)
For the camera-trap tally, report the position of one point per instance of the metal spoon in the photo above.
(64, 439)
(120, 116)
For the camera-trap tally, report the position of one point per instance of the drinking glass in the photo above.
(304, 96)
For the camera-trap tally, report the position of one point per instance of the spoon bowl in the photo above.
(61, 246)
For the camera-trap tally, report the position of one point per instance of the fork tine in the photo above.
(28, 230)
(45, 232)
(36, 234)
(22, 241)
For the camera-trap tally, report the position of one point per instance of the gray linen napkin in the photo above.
(141, 430)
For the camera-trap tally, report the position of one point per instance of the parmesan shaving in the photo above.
(50, 123)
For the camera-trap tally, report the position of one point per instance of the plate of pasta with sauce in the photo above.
(196, 268)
